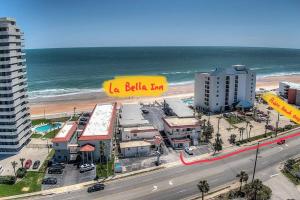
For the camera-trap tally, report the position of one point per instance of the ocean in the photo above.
(65, 71)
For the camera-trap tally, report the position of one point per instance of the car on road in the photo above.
(28, 163)
(280, 142)
(36, 164)
(49, 181)
(96, 187)
(55, 170)
(86, 167)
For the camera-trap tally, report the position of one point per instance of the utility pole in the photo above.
(277, 123)
(106, 166)
(255, 162)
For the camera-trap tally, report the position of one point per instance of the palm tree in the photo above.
(232, 139)
(241, 130)
(102, 148)
(246, 128)
(203, 186)
(253, 189)
(14, 165)
(251, 126)
(243, 176)
(22, 162)
(218, 143)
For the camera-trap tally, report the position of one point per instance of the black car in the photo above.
(49, 181)
(54, 170)
(280, 142)
(36, 164)
(96, 187)
(58, 165)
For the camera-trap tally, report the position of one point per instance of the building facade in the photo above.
(222, 89)
(290, 91)
(15, 124)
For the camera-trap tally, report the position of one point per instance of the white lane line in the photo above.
(286, 145)
(170, 182)
(154, 188)
(181, 191)
(274, 175)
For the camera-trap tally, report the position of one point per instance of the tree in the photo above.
(207, 132)
(218, 143)
(14, 165)
(22, 162)
(203, 187)
(243, 177)
(288, 165)
(256, 191)
(232, 139)
(251, 126)
(102, 149)
(241, 130)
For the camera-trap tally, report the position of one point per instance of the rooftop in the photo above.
(66, 132)
(234, 69)
(179, 108)
(100, 124)
(137, 143)
(140, 129)
(131, 115)
(176, 122)
(7, 19)
(292, 85)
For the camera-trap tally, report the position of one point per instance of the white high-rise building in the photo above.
(221, 89)
(15, 121)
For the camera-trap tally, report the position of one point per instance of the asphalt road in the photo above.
(180, 181)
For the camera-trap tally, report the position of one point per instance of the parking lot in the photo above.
(70, 176)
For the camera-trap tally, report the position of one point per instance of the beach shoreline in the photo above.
(87, 101)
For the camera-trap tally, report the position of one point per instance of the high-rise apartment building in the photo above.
(15, 124)
(223, 88)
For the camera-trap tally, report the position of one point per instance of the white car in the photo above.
(86, 167)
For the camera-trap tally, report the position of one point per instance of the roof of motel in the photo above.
(100, 124)
(176, 122)
(140, 129)
(137, 143)
(179, 108)
(66, 132)
(131, 115)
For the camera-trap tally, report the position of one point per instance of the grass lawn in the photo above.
(39, 121)
(30, 183)
(234, 120)
(36, 135)
(51, 134)
(101, 169)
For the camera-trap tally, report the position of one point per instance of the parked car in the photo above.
(189, 150)
(96, 187)
(36, 164)
(55, 170)
(86, 167)
(49, 181)
(270, 127)
(58, 165)
(28, 163)
(280, 142)
(145, 111)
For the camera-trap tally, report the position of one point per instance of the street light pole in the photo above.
(255, 162)
(277, 123)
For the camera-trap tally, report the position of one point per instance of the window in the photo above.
(134, 134)
(217, 104)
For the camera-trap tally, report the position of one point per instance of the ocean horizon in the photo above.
(65, 71)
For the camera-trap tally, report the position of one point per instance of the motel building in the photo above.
(182, 132)
(95, 141)
(65, 143)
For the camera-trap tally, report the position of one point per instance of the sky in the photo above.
(97, 23)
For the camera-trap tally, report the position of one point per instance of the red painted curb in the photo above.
(236, 152)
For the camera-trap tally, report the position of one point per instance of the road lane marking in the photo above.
(274, 175)
(170, 182)
(181, 191)
(286, 145)
(154, 188)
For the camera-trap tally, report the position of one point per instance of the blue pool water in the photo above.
(47, 127)
(189, 101)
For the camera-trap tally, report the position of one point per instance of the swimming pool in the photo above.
(47, 127)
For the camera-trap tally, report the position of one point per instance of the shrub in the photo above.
(288, 127)
(10, 180)
(21, 172)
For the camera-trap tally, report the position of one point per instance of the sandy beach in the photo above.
(86, 102)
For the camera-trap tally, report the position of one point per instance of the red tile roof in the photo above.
(87, 148)
(68, 136)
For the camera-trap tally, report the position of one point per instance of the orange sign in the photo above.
(282, 107)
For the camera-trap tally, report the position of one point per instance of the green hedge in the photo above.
(21, 172)
(10, 180)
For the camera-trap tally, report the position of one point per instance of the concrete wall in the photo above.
(127, 135)
(136, 151)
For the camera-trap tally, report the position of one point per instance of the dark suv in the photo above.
(55, 170)
(96, 187)
(49, 181)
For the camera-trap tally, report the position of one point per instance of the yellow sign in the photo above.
(282, 107)
(135, 86)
